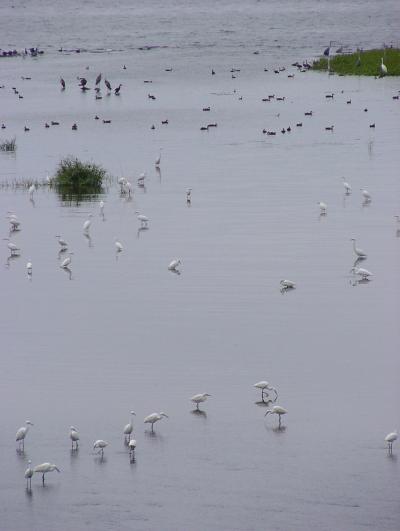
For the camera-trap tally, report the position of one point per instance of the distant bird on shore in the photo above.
(98, 79)
(62, 83)
(108, 85)
(173, 266)
(117, 90)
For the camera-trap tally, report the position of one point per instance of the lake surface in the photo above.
(121, 332)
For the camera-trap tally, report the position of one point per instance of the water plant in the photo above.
(8, 145)
(362, 62)
(74, 177)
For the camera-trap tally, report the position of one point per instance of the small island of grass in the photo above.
(362, 63)
(76, 178)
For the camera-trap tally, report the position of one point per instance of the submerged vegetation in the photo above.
(8, 145)
(76, 178)
(362, 63)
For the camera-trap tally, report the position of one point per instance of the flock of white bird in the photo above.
(130, 441)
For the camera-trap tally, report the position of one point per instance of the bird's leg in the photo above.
(197, 406)
(279, 420)
(152, 428)
(43, 479)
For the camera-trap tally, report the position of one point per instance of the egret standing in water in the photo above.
(390, 438)
(101, 206)
(128, 429)
(14, 250)
(132, 448)
(323, 208)
(287, 284)
(366, 195)
(158, 160)
(144, 220)
(361, 272)
(264, 386)
(153, 418)
(359, 252)
(31, 191)
(28, 475)
(44, 468)
(347, 187)
(198, 399)
(65, 263)
(277, 410)
(118, 246)
(100, 444)
(29, 268)
(21, 434)
(62, 242)
(173, 266)
(87, 224)
(74, 436)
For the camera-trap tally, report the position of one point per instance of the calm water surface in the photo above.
(122, 332)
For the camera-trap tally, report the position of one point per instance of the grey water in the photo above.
(121, 332)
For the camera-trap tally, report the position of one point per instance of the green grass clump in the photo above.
(364, 63)
(8, 145)
(74, 177)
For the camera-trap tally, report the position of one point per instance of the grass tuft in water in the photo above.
(74, 177)
(362, 63)
(8, 145)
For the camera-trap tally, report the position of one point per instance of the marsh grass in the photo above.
(8, 145)
(369, 64)
(74, 177)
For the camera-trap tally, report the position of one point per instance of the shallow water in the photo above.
(123, 332)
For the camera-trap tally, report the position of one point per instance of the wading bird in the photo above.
(323, 208)
(62, 83)
(264, 386)
(287, 284)
(347, 187)
(384, 70)
(88, 222)
(363, 273)
(28, 475)
(128, 429)
(14, 250)
(62, 242)
(153, 418)
(100, 444)
(366, 195)
(118, 246)
(44, 468)
(65, 263)
(74, 436)
(144, 220)
(198, 399)
(29, 268)
(21, 434)
(173, 266)
(277, 410)
(359, 252)
(390, 438)
(158, 160)
(132, 447)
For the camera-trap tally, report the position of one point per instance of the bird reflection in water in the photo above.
(68, 272)
(158, 172)
(199, 413)
(141, 229)
(11, 259)
(88, 238)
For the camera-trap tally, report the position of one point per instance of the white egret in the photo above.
(28, 475)
(100, 444)
(287, 284)
(132, 447)
(141, 178)
(62, 242)
(14, 249)
(29, 268)
(128, 188)
(44, 468)
(198, 399)
(144, 220)
(118, 246)
(390, 438)
(277, 410)
(74, 436)
(158, 160)
(121, 182)
(154, 417)
(264, 386)
(22, 432)
(173, 266)
(383, 68)
(14, 222)
(128, 429)
(363, 273)
(65, 263)
(347, 187)
(31, 191)
(323, 207)
(101, 206)
(359, 252)
(366, 195)
(88, 222)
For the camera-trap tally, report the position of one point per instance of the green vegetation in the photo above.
(8, 145)
(363, 63)
(76, 178)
